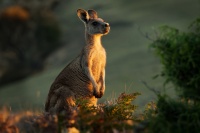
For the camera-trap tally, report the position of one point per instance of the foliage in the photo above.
(26, 122)
(180, 57)
(28, 35)
(175, 117)
(118, 114)
(7, 122)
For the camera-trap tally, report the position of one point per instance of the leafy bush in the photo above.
(174, 117)
(27, 37)
(180, 57)
(7, 122)
(118, 114)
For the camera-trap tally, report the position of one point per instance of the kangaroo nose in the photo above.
(107, 24)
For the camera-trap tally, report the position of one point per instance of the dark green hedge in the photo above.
(179, 53)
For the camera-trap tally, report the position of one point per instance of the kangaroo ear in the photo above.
(93, 14)
(83, 15)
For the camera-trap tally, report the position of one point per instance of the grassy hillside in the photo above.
(129, 60)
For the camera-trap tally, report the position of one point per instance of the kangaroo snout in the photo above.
(106, 28)
(106, 25)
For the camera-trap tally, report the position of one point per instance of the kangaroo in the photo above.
(85, 75)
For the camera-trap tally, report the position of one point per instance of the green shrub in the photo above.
(175, 117)
(27, 37)
(117, 114)
(180, 57)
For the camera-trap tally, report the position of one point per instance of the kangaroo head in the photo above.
(93, 24)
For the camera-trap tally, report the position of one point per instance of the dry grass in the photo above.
(26, 122)
(113, 116)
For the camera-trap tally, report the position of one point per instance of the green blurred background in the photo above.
(37, 44)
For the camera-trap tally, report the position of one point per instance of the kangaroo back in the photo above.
(85, 75)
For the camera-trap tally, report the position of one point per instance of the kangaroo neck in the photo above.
(93, 40)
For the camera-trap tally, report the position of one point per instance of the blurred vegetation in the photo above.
(174, 116)
(179, 55)
(29, 33)
(114, 115)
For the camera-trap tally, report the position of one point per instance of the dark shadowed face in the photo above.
(94, 25)
(97, 26)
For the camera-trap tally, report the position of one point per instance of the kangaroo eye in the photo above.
(95, 23)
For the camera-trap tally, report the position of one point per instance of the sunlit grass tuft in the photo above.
(114, 115)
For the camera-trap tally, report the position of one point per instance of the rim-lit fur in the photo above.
(85, 75)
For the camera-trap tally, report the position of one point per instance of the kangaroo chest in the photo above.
(98, 62)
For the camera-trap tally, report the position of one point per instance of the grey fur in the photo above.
(85, 75)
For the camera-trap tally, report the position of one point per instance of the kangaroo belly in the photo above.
(98, 64)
